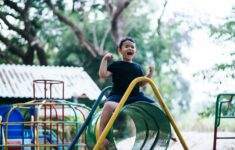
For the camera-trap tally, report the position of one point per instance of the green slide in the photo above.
(139, 125)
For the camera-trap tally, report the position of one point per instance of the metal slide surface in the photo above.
(139, 125)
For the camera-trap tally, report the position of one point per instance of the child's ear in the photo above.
(119, 49)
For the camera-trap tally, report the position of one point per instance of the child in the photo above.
(122, 73)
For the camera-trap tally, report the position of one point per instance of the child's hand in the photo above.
(108, 56)
(151, 67)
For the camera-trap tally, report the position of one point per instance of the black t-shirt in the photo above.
(122, 75)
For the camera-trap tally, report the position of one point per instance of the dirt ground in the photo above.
(204, 141)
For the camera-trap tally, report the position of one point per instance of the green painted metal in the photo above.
(225, 105)
(140, 125)
(90, 132)
(88, 119)
(224, 109)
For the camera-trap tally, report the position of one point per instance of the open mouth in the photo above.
(129, 53)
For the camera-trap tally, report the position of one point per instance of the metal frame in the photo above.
(47, 120)
(218, 115)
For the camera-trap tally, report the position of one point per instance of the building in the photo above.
(16, 83)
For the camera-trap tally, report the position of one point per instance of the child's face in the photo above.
(128, 50)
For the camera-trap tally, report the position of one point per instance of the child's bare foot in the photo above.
(105, 144)
(174, 139)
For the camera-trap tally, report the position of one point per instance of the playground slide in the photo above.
(139, 126)
(160, 141)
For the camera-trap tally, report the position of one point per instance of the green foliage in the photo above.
(223, 32)
(226, 30)
(63, 47)
(223, 67)
(209, 111)
(225, 107)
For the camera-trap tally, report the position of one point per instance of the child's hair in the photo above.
(125, 39)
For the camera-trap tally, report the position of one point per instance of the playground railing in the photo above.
(224, 109)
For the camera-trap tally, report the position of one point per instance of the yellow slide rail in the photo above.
(122, 102)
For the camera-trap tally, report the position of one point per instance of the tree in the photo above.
(81, 33)
(216, 75)
(225, 32)
(23, 41)
(115, 12)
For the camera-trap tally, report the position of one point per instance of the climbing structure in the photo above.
(44, 123)
(224, 110)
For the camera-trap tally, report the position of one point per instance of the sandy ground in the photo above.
(204, 141)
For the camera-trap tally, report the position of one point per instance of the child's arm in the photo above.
(103, 72)
(149, 74)
(151, 71)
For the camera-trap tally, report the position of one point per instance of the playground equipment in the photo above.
(123, 100)
(53, 123)
(41, 124)
(224, 109)
(140, 125)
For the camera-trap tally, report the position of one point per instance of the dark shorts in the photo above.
(131, 99)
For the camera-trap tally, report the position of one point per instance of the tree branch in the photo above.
(104, 39)
(7, 58)
(41, 54)
(12, 48)
(89, 46)
(109, 7)
(26, 33)
(14, 6)
(26, 21)
(95, 37)
(116, 20)
(121, 6)
(10, 26)
(10, 14)
(159, 21)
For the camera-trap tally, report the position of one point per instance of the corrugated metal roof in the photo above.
(17, 81)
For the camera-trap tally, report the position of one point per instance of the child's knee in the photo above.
(110, 106)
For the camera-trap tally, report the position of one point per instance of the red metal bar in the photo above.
(51, 124)
(51, 106)
(45, 89)
(50, 90)
(50, 114)
(63, 125)
(62, 90)
(45, 126)
(34, 90)
(215, 138)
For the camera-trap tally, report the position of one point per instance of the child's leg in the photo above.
(107, 112)
(140, 97)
